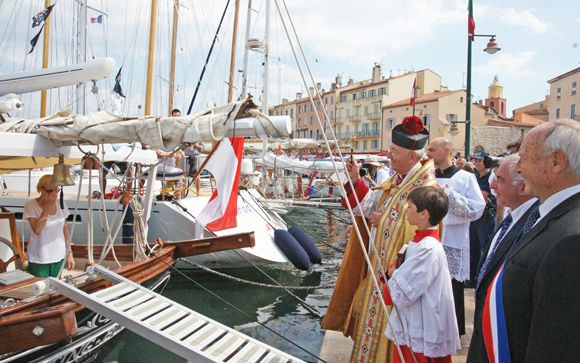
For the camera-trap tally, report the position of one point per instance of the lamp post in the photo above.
(492, 48)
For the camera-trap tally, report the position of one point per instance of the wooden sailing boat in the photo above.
(49, 326)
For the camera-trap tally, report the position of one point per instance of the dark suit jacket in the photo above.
(541, 289)
(477, 352)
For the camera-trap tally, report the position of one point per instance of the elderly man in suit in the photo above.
(539, 284)
(509, 187)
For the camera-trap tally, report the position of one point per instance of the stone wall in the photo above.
(494, 139)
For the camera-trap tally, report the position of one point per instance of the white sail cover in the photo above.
(164, 133)
(273, 161)
(300, 144)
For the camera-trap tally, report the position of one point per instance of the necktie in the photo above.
(531, 221)
(504, 228)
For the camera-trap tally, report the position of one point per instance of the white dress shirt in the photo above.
(516, 215)
(556, 199)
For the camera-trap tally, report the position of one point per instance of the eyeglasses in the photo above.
(57, 189)
(396, 152)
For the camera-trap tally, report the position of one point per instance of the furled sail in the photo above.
(165, 133)
(274, 161)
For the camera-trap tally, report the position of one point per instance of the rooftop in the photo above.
(564, 75)
(424, 98)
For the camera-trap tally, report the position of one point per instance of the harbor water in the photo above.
(273, 308)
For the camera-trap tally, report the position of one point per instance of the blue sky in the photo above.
(539, 40)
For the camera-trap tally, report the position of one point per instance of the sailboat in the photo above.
(66, 331)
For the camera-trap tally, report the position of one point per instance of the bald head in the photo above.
(440, 150)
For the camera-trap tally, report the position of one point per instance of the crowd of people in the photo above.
(507, 228)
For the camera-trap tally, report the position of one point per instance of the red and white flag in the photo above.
(470, 20)
(413, 93)
(222, 209)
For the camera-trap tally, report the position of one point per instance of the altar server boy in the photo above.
(421, 286)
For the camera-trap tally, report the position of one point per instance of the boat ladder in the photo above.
(167, 323)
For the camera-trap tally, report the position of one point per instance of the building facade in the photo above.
(359, 111)
(564, 97)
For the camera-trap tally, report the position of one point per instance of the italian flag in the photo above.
(470, 21)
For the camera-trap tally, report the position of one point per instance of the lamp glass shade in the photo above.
(492, 47)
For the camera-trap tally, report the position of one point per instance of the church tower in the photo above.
(495, 97)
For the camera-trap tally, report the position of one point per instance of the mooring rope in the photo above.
(236, 308)
(253, 283)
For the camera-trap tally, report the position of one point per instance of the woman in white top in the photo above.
(49, 233)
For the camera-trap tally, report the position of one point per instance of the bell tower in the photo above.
(495, 97)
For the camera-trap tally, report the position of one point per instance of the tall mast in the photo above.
(81, 53)
(173, 44)
(266, 71)
(246, 50)
(233, 59)
(44, 94)
(151, 57)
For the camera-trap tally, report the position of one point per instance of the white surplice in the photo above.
(466, 204)
(421, 290)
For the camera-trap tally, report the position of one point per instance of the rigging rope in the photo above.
(207, 59)
(381, 270)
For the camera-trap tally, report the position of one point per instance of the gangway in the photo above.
(164, 322)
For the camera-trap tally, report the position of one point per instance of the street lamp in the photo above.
(492, 48)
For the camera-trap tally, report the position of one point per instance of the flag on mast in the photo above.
(98, 19)
(222, 209)
(37, 20)
(35, 39)
(41, 17)
(470, 21)
(413, 93)
(117, 89)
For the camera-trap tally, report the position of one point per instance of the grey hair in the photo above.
(565, 135)
(420, 153)
(513, 160)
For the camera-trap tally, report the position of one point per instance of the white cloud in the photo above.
(508, 65)
(525, 19)
(342, 30)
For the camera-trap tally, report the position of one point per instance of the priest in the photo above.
(466, 204)
(355, 308)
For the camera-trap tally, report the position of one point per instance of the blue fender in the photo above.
(311, 250)
(292, 249)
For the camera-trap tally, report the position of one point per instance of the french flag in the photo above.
(98, 19)
(493, 321)
(222, 209)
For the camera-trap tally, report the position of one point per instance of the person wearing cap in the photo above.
(466, 204)
(481, 230)
(354, 309)
(377, 176)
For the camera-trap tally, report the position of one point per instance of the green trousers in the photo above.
(44, 269)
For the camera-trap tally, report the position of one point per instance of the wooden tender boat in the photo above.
(51, 326)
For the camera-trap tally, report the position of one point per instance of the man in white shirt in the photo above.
(541, 282)
(509, 187)
(466, 204)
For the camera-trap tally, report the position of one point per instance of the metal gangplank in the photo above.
(168, 324)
